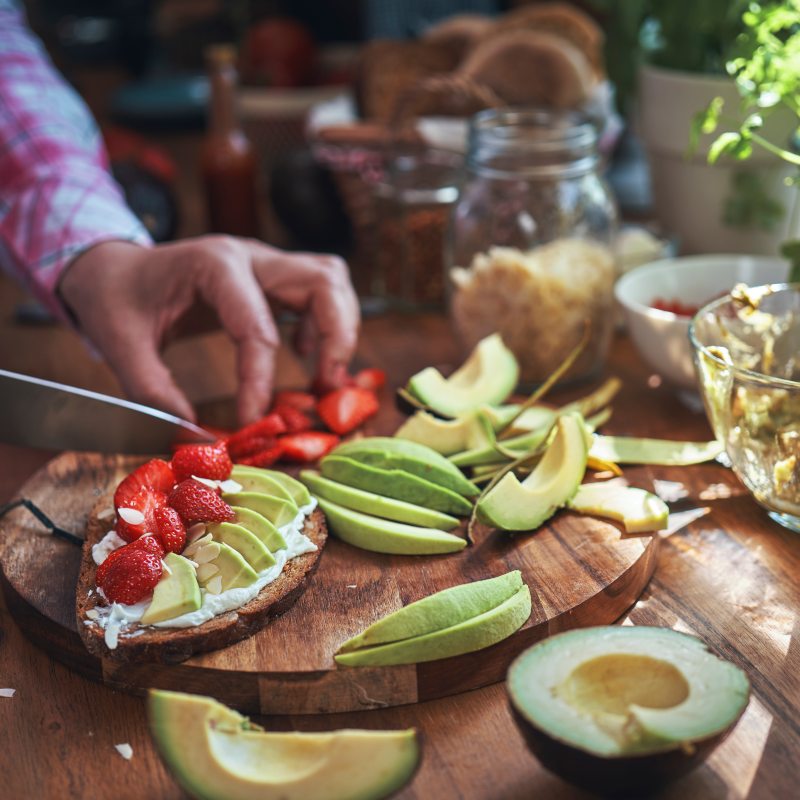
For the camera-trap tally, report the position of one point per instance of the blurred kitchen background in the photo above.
(343, 126)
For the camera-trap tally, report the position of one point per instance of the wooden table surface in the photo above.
(730, 577)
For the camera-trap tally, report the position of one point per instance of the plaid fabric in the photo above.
(57, 197)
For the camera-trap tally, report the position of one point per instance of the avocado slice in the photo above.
(472, 634)
(252, 481)
(260, 526)
(255, 552)
(369, 503)
(232, 569)
(515, 506)
(217, 754)
(617, 699)
(488, 376)
(447, 436)
(440, 610)
(418, 459)
(176, 593)
(277, 510)
(299, 493)
(639, 511)
(386, 536)
(396, 483)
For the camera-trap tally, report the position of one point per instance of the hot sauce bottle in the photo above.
(227, 162)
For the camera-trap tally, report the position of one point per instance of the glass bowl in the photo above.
(747, 356)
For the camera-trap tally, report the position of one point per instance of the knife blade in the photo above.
(55, 416)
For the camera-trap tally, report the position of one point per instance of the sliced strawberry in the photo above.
(307, 446)
(372, 379)
(343, 410)
(302, 401)
(294, 419)
(264, 458)
(131, 576)
(146, 501)
(203, 460)
(271, 425)
(247, 447)
(155, 474)
(148, 544)
(197, 503)
(170, 529)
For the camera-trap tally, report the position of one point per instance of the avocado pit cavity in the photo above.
(611, 687)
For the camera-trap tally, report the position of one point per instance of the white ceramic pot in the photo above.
(690, 194)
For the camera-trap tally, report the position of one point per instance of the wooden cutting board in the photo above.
(581, 572)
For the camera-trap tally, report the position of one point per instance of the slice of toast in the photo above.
(172, 645)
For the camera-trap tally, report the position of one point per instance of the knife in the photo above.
(55, 416)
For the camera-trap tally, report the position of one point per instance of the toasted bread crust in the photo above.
(172, 645)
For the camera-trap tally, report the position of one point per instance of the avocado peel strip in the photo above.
(548, 384)
(658, 452)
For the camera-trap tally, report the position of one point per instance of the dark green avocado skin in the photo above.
(633, 776)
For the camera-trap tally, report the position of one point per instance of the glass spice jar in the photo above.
(529, 244)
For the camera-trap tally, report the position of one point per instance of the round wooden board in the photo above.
(581, 572)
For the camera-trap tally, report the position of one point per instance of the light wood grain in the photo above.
(580, 572)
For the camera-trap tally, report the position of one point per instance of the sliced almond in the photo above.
(230, 486)
(207, 553)
(131, 515)
(92, 613)
(214, 586)
(206, 482)
(195, 532)
(165, 567)
(105, 513)
(206, 571)
(197, 545)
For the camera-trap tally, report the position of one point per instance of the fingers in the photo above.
(226, 281)
(320, 286)
(144, 376)
(305, 340)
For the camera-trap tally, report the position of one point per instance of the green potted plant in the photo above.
(766, 70)
(674, 54)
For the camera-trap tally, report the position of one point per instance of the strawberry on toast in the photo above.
(172, 569)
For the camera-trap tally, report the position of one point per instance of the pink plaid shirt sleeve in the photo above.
(57, 197)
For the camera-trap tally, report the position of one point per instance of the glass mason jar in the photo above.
(529, 244)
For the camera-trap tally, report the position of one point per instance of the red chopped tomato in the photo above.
(675, 307)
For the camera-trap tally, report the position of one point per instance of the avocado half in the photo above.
(217, 754)
(621, 710)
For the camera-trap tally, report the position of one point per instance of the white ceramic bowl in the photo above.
(661, 337)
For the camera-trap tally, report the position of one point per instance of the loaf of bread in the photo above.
(172, 645)
(527, 67)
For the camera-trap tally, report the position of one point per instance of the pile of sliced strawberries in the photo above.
(159, 501)
(290, 431)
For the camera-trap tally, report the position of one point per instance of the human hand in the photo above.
(127, 299)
